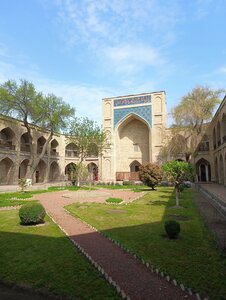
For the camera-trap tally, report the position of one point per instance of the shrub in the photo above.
(32, 213)
(127, 182)
(172, 229)
(150, 174)
(114, 200)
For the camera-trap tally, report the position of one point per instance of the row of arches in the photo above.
(8, 142)
(8, 169)
(204, 172)
(219, 132)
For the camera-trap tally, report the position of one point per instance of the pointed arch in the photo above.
(93, 170)
(54, 171)
(7, 139)
(134, 166)
(203, 170)
(40, 173)
(6, 171)
(23, 168)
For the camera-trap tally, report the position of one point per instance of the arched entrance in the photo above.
(23, 168)
(54, 171)
(133, 141)
(93, 171)
(6, 171)
(69, 170)
(134, 166)
(40, 173)
(203, 170)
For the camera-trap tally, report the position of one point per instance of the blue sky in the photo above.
(86, 50)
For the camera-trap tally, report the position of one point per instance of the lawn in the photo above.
(43, 257)
(192, 259)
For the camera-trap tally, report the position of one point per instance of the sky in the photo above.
(87, 50)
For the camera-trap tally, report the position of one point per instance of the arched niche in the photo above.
(132, 141)
(7, 139)
(71, 150)
(157, 105)
(40, 144)
(107, 110)
(53, 147)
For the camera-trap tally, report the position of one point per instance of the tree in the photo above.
(190, 118)
(22, 101)
(177, 172)
(150, 174)
(89, 139)
(78, 172)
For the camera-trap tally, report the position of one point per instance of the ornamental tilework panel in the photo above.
(142, 111)
(132, 100)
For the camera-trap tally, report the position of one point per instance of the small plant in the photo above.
(114, 200)
(172, 229)
(32, 213)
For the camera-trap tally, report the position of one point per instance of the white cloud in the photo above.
(130, 58)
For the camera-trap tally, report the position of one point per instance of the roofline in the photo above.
(219, 108)
(130, 95)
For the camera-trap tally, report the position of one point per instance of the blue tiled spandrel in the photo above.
(142, 111)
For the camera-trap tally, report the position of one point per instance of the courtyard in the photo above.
(122, 244)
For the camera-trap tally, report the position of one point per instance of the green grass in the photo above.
(114, 200)
(43, 257)
(192, 259)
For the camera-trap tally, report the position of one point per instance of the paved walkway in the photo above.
(133, 277)
(216, 189)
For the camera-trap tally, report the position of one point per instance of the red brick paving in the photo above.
(131, 275)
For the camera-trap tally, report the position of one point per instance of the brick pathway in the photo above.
(133, 277)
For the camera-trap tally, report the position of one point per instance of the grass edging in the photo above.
(149, 266)
(93, 262)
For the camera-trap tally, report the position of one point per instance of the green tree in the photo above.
(190, 117)
(89, 138)
(177, 172)
(22, 101)
(150, 174)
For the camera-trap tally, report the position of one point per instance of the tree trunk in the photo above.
(177, 195)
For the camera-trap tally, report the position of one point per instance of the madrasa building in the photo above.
(135, 127)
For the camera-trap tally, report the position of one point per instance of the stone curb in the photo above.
(151, 267)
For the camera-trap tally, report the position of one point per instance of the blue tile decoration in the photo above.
(142, 111)
(132, 100)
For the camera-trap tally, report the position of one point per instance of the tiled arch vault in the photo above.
(142, 111)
